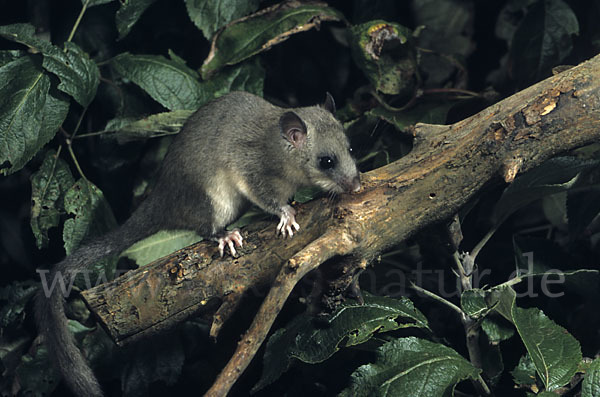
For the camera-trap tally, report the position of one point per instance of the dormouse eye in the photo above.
(350, 150)
(326, 162)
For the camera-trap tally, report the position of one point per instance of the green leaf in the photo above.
(7, 56)
(497, 329)
(553, 176)
(524, 372)
(411, 367)
(92, 216)
(591, 384)
(473, 303)
(260, 31)
(156, 125)
(173, 85)
(384, 53)
(79, 76)
(176, 87)
(543, 39)
(210, 15)
(555, 353)
(159, 245)
(351, 324)
(448, 24)
(48, 186)
(29, 114)
(247, 76)
(129, 13)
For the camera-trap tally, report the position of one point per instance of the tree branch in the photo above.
(446, 168)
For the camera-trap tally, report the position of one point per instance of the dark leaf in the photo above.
(260, 31)
(48, 187)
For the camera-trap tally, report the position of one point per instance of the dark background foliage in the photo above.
(465, 60)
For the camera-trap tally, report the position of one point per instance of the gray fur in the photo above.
(231, 153)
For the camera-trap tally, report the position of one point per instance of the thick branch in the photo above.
(448, 165)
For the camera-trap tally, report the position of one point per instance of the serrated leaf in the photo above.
(79, 76)
(349, 325)
(48, 186)
(156, 125)
(543, 39)
(509, 17)
(92, 216)
(29, 114)
(176, 87)
(496, 329)
(129, 13)
(159, 245)
(591, 383)
(247, 76)
(448, 19)
(411, 367)
(173, 85)
(383, 52)
(555, 353)
(524, 372)
(210, 15)
(260, 31)
(7, 56)
(473, 303)
(430, 112)
(553, 176)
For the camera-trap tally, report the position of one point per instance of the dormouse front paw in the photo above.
(229, 239)
(287, 221)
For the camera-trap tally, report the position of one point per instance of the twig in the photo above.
(78, 21)
(475, 251)
(330, 244)
(437, 298)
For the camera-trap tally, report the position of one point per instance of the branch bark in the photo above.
(447, 167)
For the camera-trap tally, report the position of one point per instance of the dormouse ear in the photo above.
(329, 103)
(293, 129)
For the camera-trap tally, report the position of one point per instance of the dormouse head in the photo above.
(322, 147)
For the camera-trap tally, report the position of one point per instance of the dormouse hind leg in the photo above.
(287, 221)
(230, 239)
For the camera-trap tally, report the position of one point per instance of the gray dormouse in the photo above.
(236, 151)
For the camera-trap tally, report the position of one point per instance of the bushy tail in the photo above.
(50, 311)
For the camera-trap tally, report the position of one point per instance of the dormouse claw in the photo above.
(287, 222)
(229, 239)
